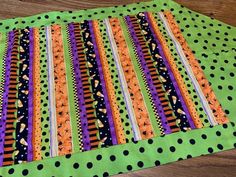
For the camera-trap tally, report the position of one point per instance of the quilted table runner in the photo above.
(110, 90)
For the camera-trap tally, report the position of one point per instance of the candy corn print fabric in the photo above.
(105, 91)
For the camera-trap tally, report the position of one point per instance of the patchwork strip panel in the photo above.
(99, 83)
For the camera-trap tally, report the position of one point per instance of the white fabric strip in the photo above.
(189, 70)
(52, 100)
(123, 82)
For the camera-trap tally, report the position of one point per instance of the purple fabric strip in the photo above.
(30, 96)
(106, 99)
(149, 80)
(5, 94)
(79, 87)
(171, 74)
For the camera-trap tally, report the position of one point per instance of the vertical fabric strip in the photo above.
(189, 70)
(123, 82)
(175, 59)
(107, 102)
(61, 93)
(141, 80)
(76, 128)
(180, 82)
(44, 101)
(11, 103)
(96, 93)
(31, 96)
(22, 126)
(120, 101)
(109, 86)
(37, 133)
(5, 95)
(133, 82)
(206, 94)
(190, 121)
(51, 94)
(3, 52)
(216, 107)
(79, 87)
(146, 71)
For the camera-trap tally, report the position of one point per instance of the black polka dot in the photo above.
(204, 136)
(141, 149)
(192, 141)
(234, 133)
(99, 157)
(57, 164)
(225, 126)
(218, 133)
(112, 158)
(219, 146)
(76, 165)
(172, 149)
(150, 141)
(105, 174)
(25, 172)
(89, 165)
(159, 150)
(68, 156)
(129, 167)
(11, 171)
(180, 141)
(157, 163)
(126, 152)
(140, 164)
(189, 156)
(210, 150)
(40, 167)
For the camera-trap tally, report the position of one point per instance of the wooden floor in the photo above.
(216, 165)
(224, 10)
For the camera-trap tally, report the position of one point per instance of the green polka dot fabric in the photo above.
(112, 90)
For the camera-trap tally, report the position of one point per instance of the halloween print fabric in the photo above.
(97, 122)
(90, 90)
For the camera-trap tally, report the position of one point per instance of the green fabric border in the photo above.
(63, 166)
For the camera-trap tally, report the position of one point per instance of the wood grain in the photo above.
(216, 165)
(221, 164)
(224, 10)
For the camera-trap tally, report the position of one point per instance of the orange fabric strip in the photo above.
(61, 93)
(217, 110)
(139, 106)
(109, 86)
(36, 109)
